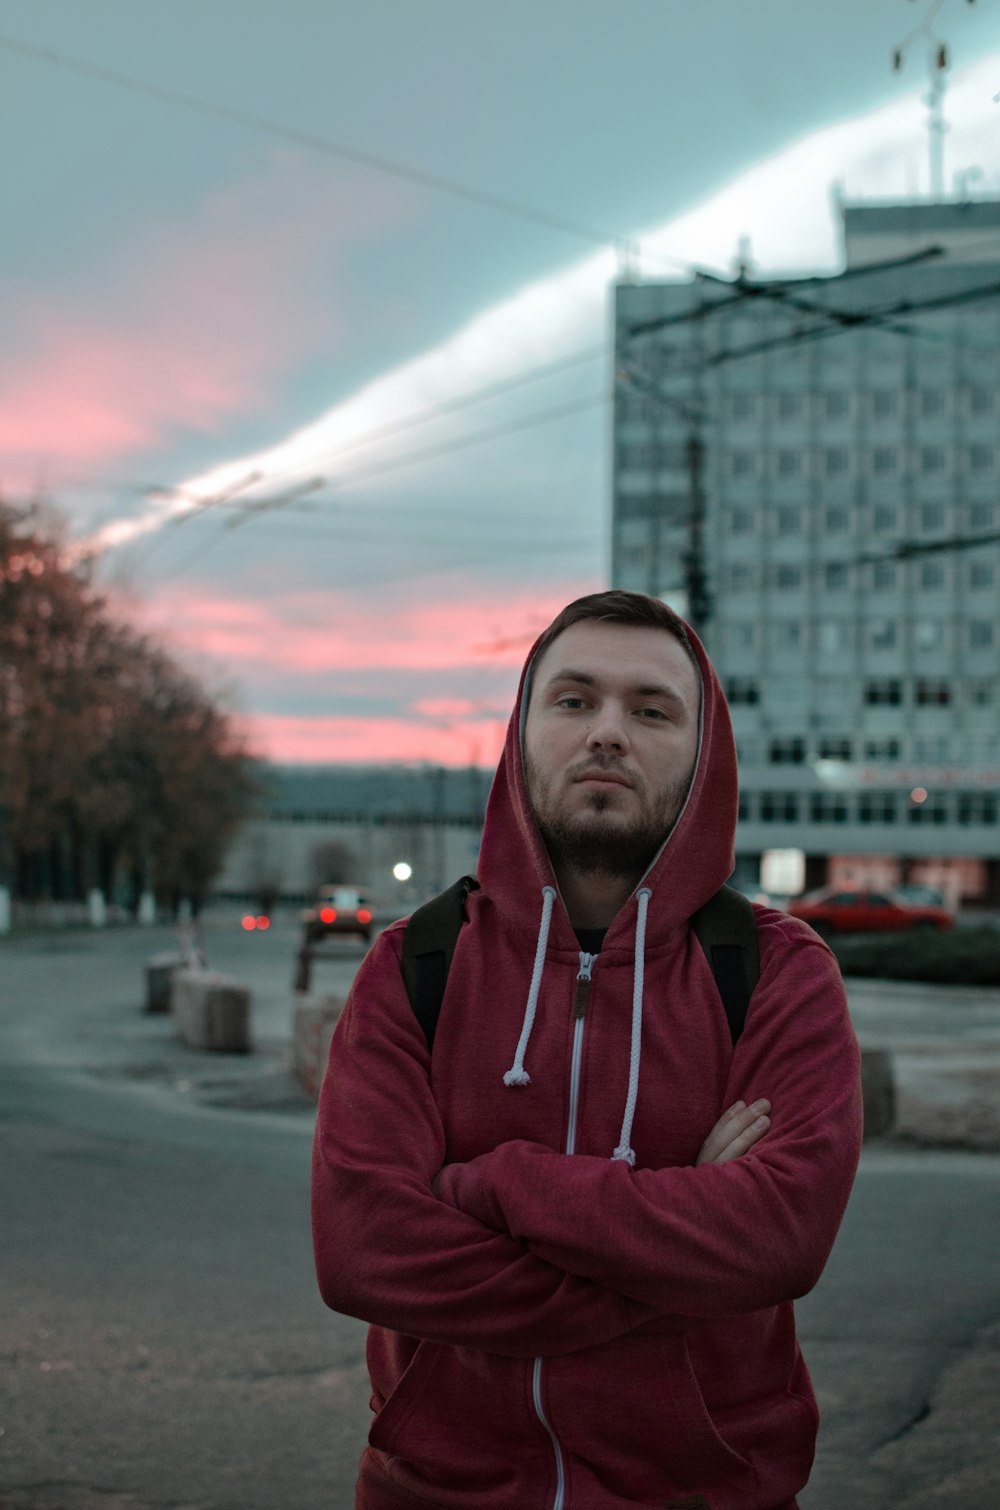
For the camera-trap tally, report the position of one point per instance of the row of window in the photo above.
(833, 404)
(966, 808)
(890, 692)
(834, 636)
(834, 519)
(786, 463)
(836, 576)
(871, 749)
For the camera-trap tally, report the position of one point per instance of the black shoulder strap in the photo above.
(727, 932)
(428, 945)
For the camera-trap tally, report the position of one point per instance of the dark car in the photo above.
(833, 910)
(339, 909)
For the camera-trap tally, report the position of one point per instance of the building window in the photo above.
(637, 456)
(738, 578)
(980, 459)
(789, 463)
(884, 518)
(743, 811)
(981, 516)
(980, 634)
(932, 458)
(778, 807)
(932, 402)
(876, 807)
(932, 574)
(835, 575)
(742, 691)
(741, 521)
(883, 573)
(673, 459)
(788, 405)
(981, 574)
(933, 692)
(932, 516)
(742, 405)
(742, 463)
(977, 807)
(787, 634)
(836, 519)
(885, 460)
(788, 519)
(883, 692)
(740, 634)
(836, 461)
(928, 634)
(836, 405)
(832, 636)
(834, 747)
(787, 576)
(828, 807)
(788, 751)
(980, 692)
(882, 634)
(934, 810)
(884, 403)
(882, 749)
(980, 401)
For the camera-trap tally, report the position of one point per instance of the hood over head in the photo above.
(689, 868)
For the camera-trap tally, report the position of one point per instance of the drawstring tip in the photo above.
(624, 1155)
(517, 1077)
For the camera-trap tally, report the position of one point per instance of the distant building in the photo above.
(768, 461)
(366, 819)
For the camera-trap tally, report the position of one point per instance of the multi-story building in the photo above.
(800, 465)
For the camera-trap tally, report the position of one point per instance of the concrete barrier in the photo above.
(160, 971)
(878, 1090)
(313, 1022)
(211, 1011)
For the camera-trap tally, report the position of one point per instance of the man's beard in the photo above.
(594, 846)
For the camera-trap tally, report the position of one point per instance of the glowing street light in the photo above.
(402, 871)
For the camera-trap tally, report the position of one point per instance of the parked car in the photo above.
(833, 910)
(339, 909)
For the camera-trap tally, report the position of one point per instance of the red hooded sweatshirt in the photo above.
(559, 1328)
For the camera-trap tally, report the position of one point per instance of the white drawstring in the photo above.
(624, 1150)
(517, 1074)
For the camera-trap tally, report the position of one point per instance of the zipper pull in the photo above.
(583, 978)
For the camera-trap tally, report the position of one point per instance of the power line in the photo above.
(328, 146)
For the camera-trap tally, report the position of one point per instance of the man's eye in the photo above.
(570, 702)
(652, 713)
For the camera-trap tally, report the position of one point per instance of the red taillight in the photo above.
(364, 916)
(263, 922)
(249, 923)
(328, 914)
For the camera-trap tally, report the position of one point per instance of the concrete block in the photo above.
(160, 971)
(878, 1091)
(211, 1011)
(313, 1022)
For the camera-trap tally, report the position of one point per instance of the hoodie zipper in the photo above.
(581, 998)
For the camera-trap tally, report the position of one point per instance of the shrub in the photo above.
(963, 956)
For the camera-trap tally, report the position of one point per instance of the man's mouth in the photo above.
(605, 778)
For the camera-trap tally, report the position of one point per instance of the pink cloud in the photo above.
(292, 740)
(202, 319)
(314, 633)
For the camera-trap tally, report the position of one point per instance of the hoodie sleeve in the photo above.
(387, 1248)
(717, 1238)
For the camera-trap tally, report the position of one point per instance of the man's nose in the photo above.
(609, 731)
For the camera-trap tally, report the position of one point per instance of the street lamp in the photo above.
(402, 871)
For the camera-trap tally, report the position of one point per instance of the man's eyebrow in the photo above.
(647, 689)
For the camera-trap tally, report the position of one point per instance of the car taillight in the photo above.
(328, 914)
(364, 916)
(249, 923)
(263, 922)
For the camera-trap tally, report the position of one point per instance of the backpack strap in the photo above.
(727, 932)
(428, 945)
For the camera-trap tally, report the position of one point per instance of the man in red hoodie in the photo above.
(573, 1227)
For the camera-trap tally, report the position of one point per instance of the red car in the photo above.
(841, 911)
(339, 909)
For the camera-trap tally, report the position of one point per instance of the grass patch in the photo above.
(960, 957)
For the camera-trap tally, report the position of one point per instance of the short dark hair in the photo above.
(615, 606)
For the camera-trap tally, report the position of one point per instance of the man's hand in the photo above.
(735, 1133)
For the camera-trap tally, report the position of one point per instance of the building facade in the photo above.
(810, 469)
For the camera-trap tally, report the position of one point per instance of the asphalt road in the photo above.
(161, 1340)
